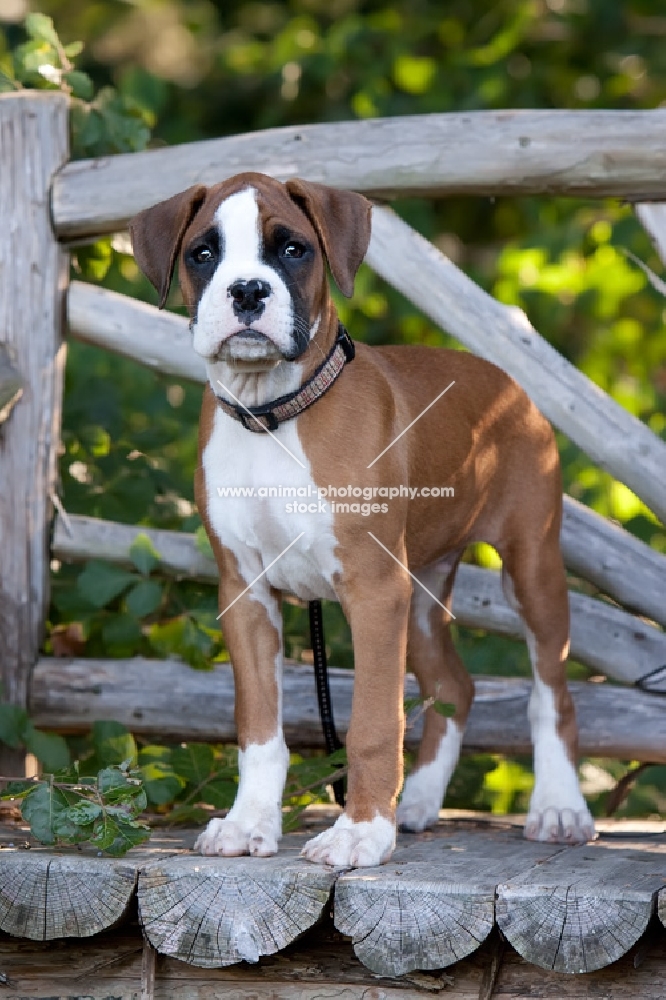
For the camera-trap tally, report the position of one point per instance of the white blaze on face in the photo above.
(241, 245)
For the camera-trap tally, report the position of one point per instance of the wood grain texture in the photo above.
(585, 907)
(604, 637)
(589, 153)
(597, 550)
(45, 896)
(662, 906)
(613, 438)
(212, 912)
(166, 699)
(33, 276)
(157, 339)
(434, 902)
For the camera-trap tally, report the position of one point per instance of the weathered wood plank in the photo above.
(614, 560)
(434, 902)
(602, 636)
(662, 906)
(45, 896)
(33, 277)
(590, 153)
(218, 911)
(585, 907)
(155, 699)
(613, 438)
(157, 339)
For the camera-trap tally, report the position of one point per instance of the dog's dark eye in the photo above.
(294, 249)
(203, 254)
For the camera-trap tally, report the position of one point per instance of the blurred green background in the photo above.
(171, 72)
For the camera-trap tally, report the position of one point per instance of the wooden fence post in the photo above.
(33, 279)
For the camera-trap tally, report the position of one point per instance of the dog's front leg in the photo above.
(253, 633)
(377, 609)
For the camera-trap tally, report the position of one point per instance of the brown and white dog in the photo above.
(253, 254)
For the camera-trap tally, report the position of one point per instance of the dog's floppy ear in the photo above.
(157, 233)
(342, 223)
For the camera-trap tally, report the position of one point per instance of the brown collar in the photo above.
(267, 416)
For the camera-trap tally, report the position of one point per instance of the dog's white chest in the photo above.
(263, 506)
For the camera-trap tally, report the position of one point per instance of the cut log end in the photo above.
(220, 911)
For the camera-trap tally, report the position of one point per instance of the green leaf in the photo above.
(113, 743)
(161, 782)
(194, 762)
(144, 598)
(143, 554)
(110, 777)
(105, 831)
(128, 835)
(40, 27)
(41, 808)
(81, 84)
(13, 721)
(83, 813)
(219, 792)
(132, 799)
(73, 50)
(49, 748)
(122, 629)
(100, 582)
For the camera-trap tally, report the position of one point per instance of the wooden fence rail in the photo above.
(603, 636)
(594, 154)
(167, 700)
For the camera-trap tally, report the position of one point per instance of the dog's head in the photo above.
(252, 260)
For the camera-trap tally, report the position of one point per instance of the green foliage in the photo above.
(196, 71)
(107, 122)
(17, 731)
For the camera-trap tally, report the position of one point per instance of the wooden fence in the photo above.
(46, 203)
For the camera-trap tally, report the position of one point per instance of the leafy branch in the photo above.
(102, 123)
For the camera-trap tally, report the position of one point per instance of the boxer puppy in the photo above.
(288, 407)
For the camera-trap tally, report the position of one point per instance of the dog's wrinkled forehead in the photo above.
(256, 203)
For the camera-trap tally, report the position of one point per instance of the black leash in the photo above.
(331, 737)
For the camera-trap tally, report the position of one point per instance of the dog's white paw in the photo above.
(230, 839)
(560, 826)
(419, 805)
(352, 845)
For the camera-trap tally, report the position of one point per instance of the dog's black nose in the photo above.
(248, 298)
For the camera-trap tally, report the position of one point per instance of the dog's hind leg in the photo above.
(441, 674)
(534, 584)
